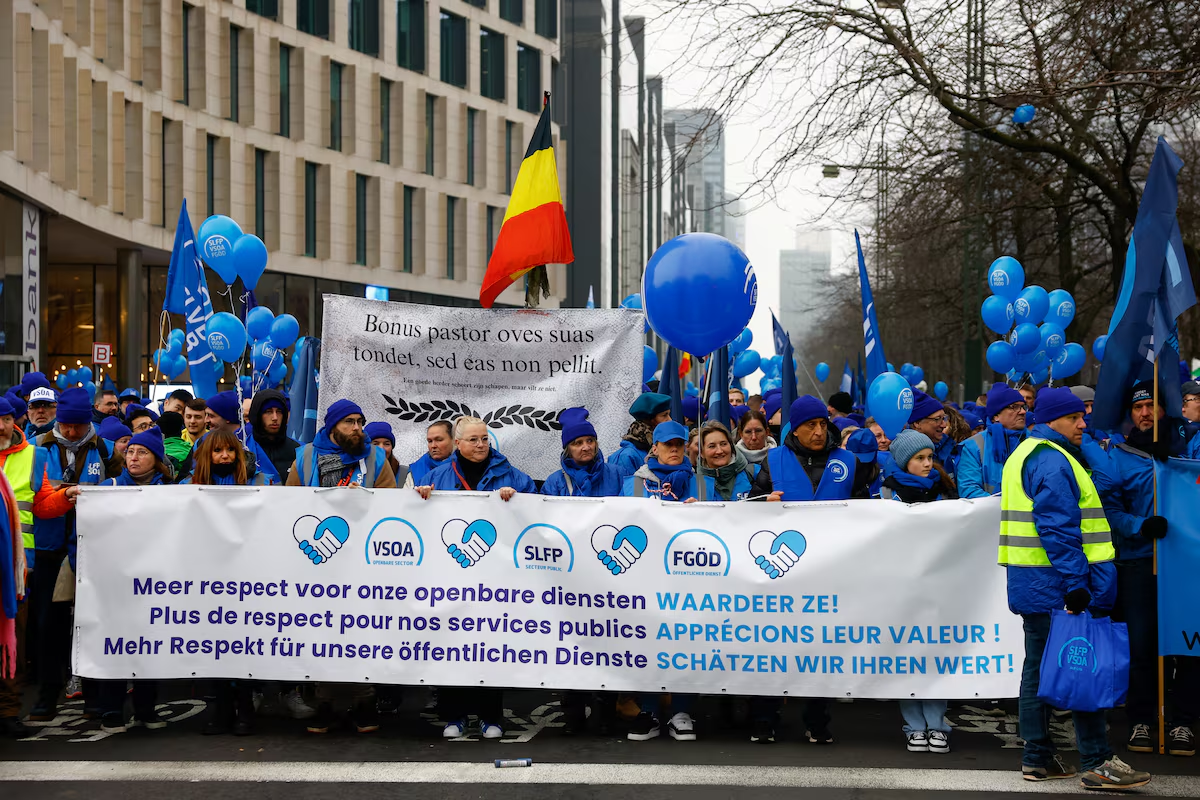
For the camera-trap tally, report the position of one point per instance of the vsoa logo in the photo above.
(696, 552)
(467, 542)
(776, 553)
(394, 542)
(544, 547)
(1078, 655)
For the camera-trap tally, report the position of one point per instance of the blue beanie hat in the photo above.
(338, 411)
(34, 380)
(380, 430)
(132, 411)
(1000, 397)
(805, 408)
(6, 407)
(907, 444)
(670, 431)
(736, 413)
(863, 444)
(973, 420)
(859, 419)
(1057, 402)
(649, 405)
(225, 405)
(841, 423)
(691, 408)
(771, 404)
(152, 440)
(74, 407)
(575, 424)
(923, 406)
(113, 429)
(18, 406)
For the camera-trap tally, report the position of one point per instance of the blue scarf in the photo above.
(912, 488)
(325, 446)
(1002, 442)
(125, 479)
(679, 476)
(583, 477)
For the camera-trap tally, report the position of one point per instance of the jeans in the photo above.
(1090, 732)
(924, 715)
(1137, 607)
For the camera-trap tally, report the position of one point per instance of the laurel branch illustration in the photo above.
(438, 410)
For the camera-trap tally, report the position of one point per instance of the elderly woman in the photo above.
(725, 474)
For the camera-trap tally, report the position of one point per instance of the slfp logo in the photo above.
(544, 547)
(394, 542)
(1078, 655)
(696, 552)
(998, 278)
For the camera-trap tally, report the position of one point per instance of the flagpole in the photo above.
(1162, 689)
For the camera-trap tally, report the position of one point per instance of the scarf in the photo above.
(726, 477)
(332, 460)
(72, 448)
(640, 433)
(583, 476)
(222, 470)
(914, 489)
(756, 456)
(1172, 438)
(470, 473)
(679, 477)
(152, 478)
(1001, 441)
(12, 583)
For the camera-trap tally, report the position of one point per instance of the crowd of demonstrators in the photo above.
(1078, 530)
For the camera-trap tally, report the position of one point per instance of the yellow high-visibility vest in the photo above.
(18, 468)
(1020, 544)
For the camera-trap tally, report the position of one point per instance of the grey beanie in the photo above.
(906, 445)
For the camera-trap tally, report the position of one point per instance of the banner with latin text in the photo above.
(858, 599)
(516, 369)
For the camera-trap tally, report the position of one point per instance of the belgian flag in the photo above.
(534, 231)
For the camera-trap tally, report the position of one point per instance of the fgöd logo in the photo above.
(696, 552)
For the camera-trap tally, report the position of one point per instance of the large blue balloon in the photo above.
(746, 363)
(916, 375)
(1025, 338)
(997, 313)
(699, 291)
(1006, 277)
(890, 402)
(1098, 347)
(85, 374)
(258, 322)
(226, 336)
(649, 362)
(1001, 356)
(1062, 308)
(741, 343)
(940, 390)
(214, 241)
(1032, 305)
(284, 331)
(250, 259)
(822, 372)
(263, 354)
(1053, 339)
(1069, 361)
(1032, 362)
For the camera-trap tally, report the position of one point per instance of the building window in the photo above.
(471, 115)
(310, 209)
(409, 193)
(264, 8)
(508, 154)
(545, 18)
(495, 216)
(513, 11)
(260, 194)
(529, 78)
(312, 16)
(364, 26)
(187, 49)
(476, 3)
(360, 219)
(491, 64)
(210, 173)
(454, 49)
(335, 105)
(385, 120)
(451, 211)
(410, 34)
(558, 100)
(234, 42)
(285, 90)
(430, 131)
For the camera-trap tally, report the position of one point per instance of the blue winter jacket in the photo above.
(945, 453)
(741, 487)
(681, 479)
(499, 473)
(979, 473)
(1049, 481)
(422, 467)
(90, 469)
(597, 479)
(628, 458)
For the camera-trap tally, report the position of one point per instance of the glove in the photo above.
(1078, 600)
(1154, 527)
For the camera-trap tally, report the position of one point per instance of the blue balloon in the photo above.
(1069, 361)
(263, 354)
(632, 301)
(746, 363)
(1024, 114)
(1006, 277)
(1062, 308)
(769, 384)
(226, 336)
(997, 313)
(822, 372)
(85, 374)
(649, 362)
(61, 381)
(1040, 376)
(741, 343)
(1025, 338)
(72, 377)
(1053, 339)
(692, 392)
(177, 333)
(90, 388)
(284, 331)
(1032, 305)
(691, 385)
(699, 292)
(214, 242)
(1001, 356)
(1032, 362)
(890, 367)
(250, 259)
(258, 322)
(906, 369)
(890, 402)
(940, 390)
(916, 375)
(174, 347)
(277, 373)
(176, 366)
(1098, 347)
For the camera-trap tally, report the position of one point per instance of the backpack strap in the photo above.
(307, 465)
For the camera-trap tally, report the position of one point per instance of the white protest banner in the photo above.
(869, 598)
(516, 369)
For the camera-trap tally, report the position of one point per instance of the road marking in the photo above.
(959, 780)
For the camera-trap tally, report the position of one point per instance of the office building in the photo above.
(803, 277)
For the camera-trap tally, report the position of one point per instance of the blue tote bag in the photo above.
(1085, 666)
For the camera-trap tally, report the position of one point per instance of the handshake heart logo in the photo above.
(618, 550)
(320, 539)
(468, 542)
(776, 553)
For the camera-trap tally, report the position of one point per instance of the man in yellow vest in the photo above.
(1057, 547)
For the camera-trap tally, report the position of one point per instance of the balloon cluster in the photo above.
(745, 362)
(1033, 322)
(270, 336)
(772, 370)
(231, 253)
(170, 360)
(77, 377)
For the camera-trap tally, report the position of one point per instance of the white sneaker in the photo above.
(918, 742)
(680, 727)
(939, 742)
(296, 707)
(152, 724)
(490, 730)
(454, 730)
